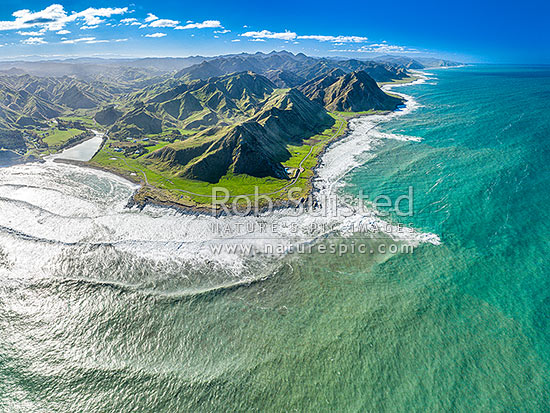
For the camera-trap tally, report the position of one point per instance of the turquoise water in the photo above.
(480, 179)
(89, 325)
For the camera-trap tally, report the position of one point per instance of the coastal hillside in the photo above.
(315, 88)
(28, 101)
(255, 147)
(348, 92)
(194, 105)
(134, 100)
(237, 114)
(21, 108)
(65, 91)
(107, 115)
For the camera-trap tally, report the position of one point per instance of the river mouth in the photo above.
(83, 151)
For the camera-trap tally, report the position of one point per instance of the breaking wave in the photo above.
(62, 222)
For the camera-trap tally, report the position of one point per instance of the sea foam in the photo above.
(49, 209)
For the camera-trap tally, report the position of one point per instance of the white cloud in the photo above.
(37, 33)
(89, 27)
(257, 40)
(64, 32)
(222, 31)
(135, 24)
(81, 39)
(335, 39)
(55, 18)
(34, 40)
(164, 23)
(157, 35)
(379, 48)
(266, 34)
(150, 17)
(24, 19)
(128, 20)
(236, 40)
(87, 40)
(90, 40)
(289, 36)
(207, 24)
(92, 16)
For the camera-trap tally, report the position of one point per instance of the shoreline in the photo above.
(277, 205)
(346, 134)
(419, 77)
(24, 159)
(310, 199)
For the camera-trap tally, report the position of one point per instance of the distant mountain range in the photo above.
(416, 63)
(142, 68)
(286, 69)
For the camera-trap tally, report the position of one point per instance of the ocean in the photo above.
(110, 309)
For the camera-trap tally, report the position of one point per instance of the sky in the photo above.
(468, 31)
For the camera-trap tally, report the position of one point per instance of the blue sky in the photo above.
(471, 31)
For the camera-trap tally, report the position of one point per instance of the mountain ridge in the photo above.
(255, 147)
(348, 92)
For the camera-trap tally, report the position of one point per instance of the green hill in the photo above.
(315, 88)
(348, 92)
(21, 108)
(28, 101)
(256, 147)
(107, 116)
(196, 105)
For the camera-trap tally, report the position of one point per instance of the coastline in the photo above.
(147, 195)
(111, 307)
(310, 199)
(277, 204)
(171, 226)
(419, 77)
(337, 159)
